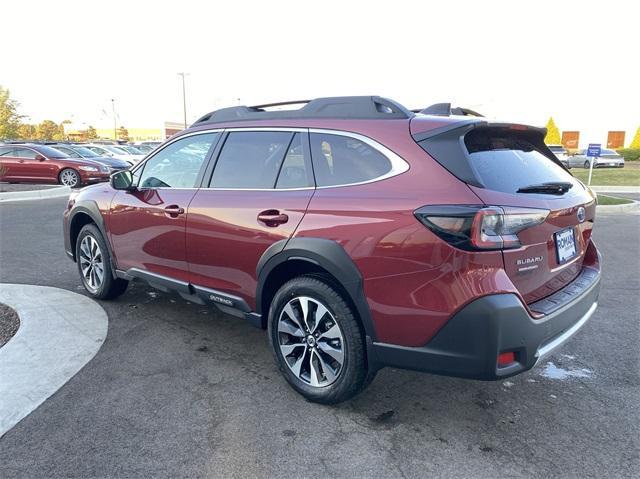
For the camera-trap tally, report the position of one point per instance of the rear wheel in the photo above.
(69, 177)
(317, 342)
(94, 265)
(587, 164)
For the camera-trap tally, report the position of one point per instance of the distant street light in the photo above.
(115, 127)
(184, 98)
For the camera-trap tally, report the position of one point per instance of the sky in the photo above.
(578, 61)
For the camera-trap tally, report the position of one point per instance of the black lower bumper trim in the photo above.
(469, 344)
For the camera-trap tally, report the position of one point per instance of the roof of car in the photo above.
(344, 108)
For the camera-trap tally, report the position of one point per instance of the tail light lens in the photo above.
(480, 227)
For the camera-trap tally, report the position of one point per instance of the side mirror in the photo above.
(40, 158)
(122, 180)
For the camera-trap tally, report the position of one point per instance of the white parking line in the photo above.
(59, 333)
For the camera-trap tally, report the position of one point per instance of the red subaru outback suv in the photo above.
(360, 234)
(34, 163)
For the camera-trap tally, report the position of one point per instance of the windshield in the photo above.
(115, 150)
(51, 152)
(86, 152)
(609, 152)
(130, 149)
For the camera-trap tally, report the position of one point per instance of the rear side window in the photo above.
(6, 151)
(251, 159)
(506, 162)
(343, 160)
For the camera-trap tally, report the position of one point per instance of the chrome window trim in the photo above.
(398, 164)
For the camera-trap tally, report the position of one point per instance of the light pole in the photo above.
(115, 127)
(184, 98)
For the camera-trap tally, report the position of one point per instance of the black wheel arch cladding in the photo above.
(327, 255)
(90, 209)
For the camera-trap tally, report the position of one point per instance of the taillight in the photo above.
(480, 227)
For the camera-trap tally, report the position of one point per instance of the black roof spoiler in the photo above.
(445, 109)
(345, 107)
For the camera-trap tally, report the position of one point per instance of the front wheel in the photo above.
(317, 341)
(69, 177)
(94, 265)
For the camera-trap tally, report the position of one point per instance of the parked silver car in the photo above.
(561, 152)
(607, 158)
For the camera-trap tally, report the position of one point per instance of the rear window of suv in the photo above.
(507, 161)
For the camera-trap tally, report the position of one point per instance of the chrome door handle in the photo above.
(173, 210)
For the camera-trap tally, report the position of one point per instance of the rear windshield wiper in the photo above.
(553, 188)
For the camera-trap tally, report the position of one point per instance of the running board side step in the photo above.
(228, 303)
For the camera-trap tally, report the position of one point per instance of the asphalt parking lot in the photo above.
(180, 390)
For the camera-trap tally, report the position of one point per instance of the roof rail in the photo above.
(347, 107)
(444, 109)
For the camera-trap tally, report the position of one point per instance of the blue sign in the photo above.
(594, 150)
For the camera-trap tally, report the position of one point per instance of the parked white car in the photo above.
(115, 152)
(607, 158)
(561, 152)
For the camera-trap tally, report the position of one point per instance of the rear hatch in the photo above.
(509, 167)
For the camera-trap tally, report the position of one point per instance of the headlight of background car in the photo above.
(88, 168)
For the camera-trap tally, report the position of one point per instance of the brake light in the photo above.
(480, 227)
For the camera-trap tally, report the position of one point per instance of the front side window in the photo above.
(178, 164)
(252, 160)
(343, 160)
(6, 152)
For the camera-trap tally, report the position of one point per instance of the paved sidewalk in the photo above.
(59, 333)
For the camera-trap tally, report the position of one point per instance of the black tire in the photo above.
(587, 165)
(353, 375)
(109, 286)
(65, 178)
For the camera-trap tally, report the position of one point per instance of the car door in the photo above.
(147, 225)
(257, 195)
(32, 166)
(8, 163)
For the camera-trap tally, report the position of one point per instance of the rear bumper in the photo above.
(469, 344)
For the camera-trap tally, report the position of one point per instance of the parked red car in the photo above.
(33, 163)
(360, 234)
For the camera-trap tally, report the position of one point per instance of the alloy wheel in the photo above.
(311, 341)
(91, 263)
(69, 178)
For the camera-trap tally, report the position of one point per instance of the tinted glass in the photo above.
(251, 159)
(26, 153)
(6, 151)
(294, 172)
(68, 151)
(177, 165)
(86, 152)
(340, 160)
(51, 153)
(507, 162)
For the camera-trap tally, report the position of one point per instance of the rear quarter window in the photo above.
(343, 160)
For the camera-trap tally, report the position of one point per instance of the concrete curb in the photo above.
(626, 208)
(57, 192)
(59, 333)
(616, 189)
